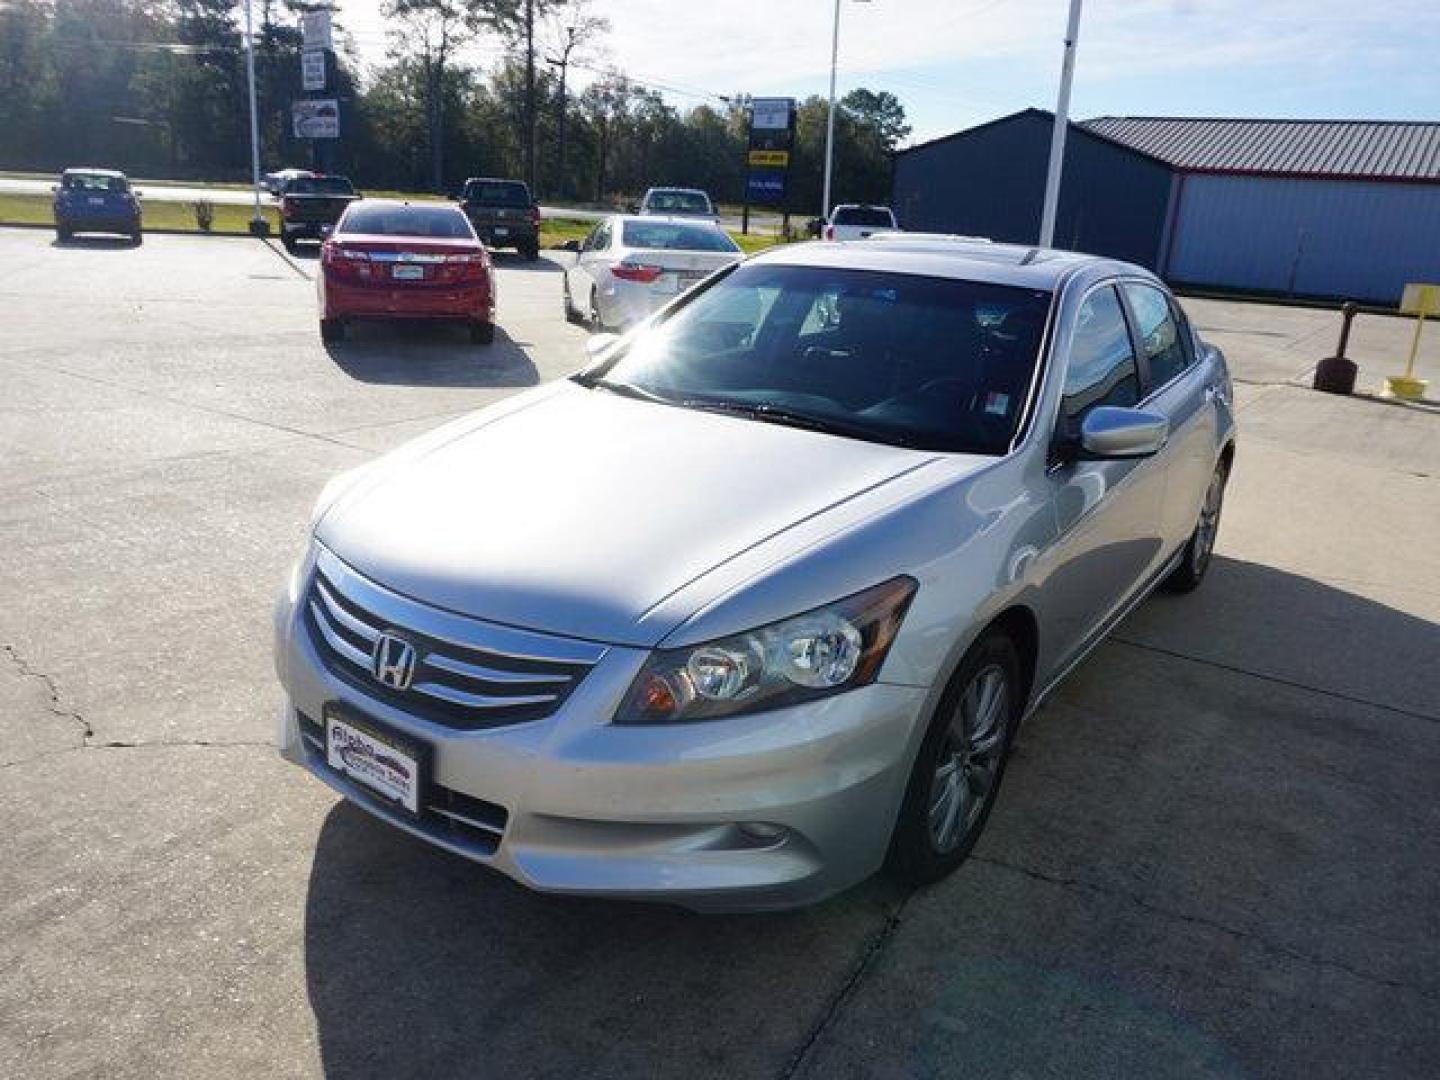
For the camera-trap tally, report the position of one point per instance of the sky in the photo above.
(955, 63)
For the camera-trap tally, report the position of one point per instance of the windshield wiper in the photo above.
(774, 414)
(624, 389)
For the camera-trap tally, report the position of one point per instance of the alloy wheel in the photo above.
(968, 767)
(1209, 524)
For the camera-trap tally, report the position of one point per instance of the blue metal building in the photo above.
(1334, 209)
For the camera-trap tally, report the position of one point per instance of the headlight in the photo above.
(834, 648)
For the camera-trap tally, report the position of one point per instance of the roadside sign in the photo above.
(775, 159)
(315, 29)
(771, 114)
(1421, 299)
(316, 119)
(767, 155)
(312, 69)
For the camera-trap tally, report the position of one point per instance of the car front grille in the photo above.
(474, 824)
(468, 674)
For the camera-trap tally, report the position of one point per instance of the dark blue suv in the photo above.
(96, 200)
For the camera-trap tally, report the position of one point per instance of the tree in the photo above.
(881, 112)
(572, 36)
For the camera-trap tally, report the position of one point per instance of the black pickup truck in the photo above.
(311, 205)
(503, 213)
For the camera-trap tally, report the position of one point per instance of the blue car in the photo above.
(96, 200)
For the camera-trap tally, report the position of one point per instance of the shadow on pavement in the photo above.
(1277, 824)
(96, 243)
(402, 353)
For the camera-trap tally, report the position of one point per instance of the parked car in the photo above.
(274, 182)
(631, 265)
(96, 200)
(311, 205)
(761, 596)
(852, 221)
(389, 260)
(503, 214)
(671, 201)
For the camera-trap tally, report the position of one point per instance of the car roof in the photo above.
(963, 258)
(679, 191)
(88, 171)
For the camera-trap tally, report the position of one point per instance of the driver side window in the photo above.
(1102, 368)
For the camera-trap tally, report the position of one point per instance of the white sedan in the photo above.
(630, 266)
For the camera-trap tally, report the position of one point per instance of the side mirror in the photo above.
(570, 245)
(1109, 433)
(596, 345)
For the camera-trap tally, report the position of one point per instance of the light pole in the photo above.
(1057, 135)
(830, 113)
(258, 225)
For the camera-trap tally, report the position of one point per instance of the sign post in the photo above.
(1421, 301)
(767, 157)
(316, 118)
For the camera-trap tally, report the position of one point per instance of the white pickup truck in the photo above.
(853, 221)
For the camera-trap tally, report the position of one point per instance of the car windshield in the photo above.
(319, 185)
(684, 202)
(95, 184)
(868, 217)
(675, 236)
(440, 222)
(935, 363)
(497, 193)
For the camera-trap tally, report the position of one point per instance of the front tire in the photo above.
(1201, 546)
(957, 773)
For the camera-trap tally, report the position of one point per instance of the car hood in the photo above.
(580, 511)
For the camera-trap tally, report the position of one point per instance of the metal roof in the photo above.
(1342, 149)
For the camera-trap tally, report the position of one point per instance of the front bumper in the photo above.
(573, 804)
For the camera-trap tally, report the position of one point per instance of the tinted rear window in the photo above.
(685, 202)
(441, 222)
(91, 182)
(497, 193)
(672, 236)
(319, 185)
(868, 217)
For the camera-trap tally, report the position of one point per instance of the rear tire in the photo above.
(957, 773)
(1195, 560)
(592, 316)
(332, 330)
(482, 333)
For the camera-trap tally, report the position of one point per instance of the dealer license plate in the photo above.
(408, 273)
(384, 763)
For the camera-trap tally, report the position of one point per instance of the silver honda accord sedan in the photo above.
(754, 604)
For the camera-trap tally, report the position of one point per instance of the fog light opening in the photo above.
(763, 832)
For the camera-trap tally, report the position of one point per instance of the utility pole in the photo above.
(530, 96)
(830, 114)
(1057, 135)
(563, 63)
(258, 225)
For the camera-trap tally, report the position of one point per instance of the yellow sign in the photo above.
(773, 159)
(1421, 300)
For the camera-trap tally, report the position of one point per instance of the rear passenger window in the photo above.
(1168, 349)
(1102, 367)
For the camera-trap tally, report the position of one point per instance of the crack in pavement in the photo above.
(1139, 901)
(1278, 680)
(872, 952)
(208, 744)
(52, 691)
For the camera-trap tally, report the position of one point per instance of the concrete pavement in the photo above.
(1216, 854)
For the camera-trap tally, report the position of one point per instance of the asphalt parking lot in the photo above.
(1217, 853)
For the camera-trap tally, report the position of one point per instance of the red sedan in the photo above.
(394, 260)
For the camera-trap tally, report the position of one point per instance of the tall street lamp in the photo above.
(830, 114)
(258, 225)
(1057, 135)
